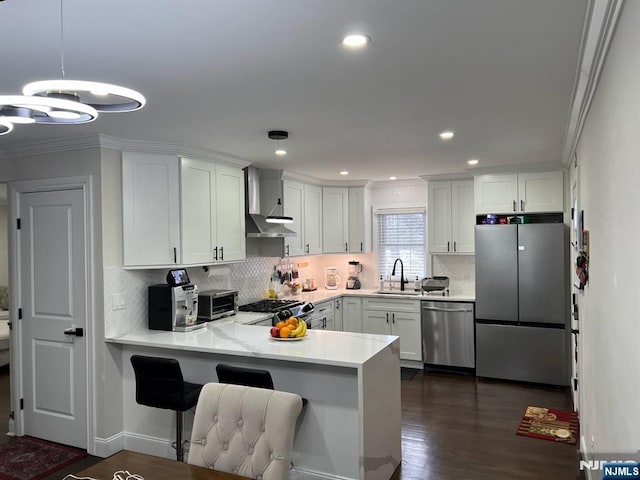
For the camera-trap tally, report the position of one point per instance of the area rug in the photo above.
(28, 458)
(408, 373)
(549, 424)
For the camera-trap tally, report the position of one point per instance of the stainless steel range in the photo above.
(281, 309)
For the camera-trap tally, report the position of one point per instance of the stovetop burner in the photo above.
(269, 306)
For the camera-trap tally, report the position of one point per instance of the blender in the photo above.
(331, 278)
(355, 268)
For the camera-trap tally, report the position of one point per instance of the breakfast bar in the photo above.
(350, 428)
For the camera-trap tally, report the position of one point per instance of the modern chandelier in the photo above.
(65, 101)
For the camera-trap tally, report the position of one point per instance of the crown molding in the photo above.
(288, 175)
(411, 182)
(125, 145)
(599, 27)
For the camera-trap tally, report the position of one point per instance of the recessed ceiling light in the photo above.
(392, 178)
(281, 152)
(473, 161)
(344, 172)
(446, 135)
(355, 40)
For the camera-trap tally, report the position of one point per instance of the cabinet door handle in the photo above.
(455, 246)
(448, 245)
(287, 250)
(306, 248)
(215, 254)
(393, 317)
(514, 205)
(522, 205)
(361, 247)
(175, 255)
(221, 254)
(338, 304)
(387, 315)
(346, 247)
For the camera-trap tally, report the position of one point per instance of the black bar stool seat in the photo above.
(159, 384)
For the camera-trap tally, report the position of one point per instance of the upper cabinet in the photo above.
(346, 224)
(451, 217)
(198, 220)
(522, 193)
(304, 203)
(150, 209)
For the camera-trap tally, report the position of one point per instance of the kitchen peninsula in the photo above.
(351, 425)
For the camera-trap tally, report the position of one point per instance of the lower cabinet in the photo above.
(337, 314)
(323, 317)
(395, 317)
(352, 314)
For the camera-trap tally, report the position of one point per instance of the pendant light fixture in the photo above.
(5, 126)
(20, 109)
(102, 97)
(278, 135)
(278, 218)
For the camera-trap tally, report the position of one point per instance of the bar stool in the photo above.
(249, 377)
(159, 384)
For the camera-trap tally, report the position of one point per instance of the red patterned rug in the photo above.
(27, 458)
(550, 424)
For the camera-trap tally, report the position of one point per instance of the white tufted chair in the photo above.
(244, 430)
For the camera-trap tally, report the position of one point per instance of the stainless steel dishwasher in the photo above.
(448, 334)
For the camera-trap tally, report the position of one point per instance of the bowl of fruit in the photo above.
(289, 330)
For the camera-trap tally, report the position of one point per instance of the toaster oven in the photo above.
(214, 304)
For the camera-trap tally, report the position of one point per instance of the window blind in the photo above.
(402, 235)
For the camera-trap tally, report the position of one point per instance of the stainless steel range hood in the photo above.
(256, 224)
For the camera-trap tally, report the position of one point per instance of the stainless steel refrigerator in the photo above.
(521, 303)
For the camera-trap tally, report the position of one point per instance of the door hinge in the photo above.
(19, 314)
(10, 325)
(575, 384)
(22, 404)
(12, 416)
(18, 223)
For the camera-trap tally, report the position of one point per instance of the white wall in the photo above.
(4, 254)
(608, 157)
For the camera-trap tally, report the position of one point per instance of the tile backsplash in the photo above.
(459, 268)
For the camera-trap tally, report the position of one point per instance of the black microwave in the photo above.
(214, 304)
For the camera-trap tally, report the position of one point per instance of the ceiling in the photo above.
(219, 74)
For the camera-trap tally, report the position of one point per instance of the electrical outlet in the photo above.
(118, 301)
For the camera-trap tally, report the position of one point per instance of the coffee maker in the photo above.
(331, 278)
(173, 306)
(355, 269)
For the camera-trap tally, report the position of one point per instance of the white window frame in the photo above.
(396, 209)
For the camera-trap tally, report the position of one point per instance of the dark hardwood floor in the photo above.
(458, 427)
(454, 427)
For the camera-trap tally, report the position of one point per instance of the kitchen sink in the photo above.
(399, 292)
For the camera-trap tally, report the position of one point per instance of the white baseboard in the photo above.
(585, 455)
(105, 447)
(158, 447)
(304, 474)
(411, 364)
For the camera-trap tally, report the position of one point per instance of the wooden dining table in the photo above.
(152, 468)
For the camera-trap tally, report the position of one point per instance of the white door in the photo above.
(541, 192)
(230, 221)
(53, 300)
(408, 327)
(197, 206)
(312, 219)
(462, 218)
(439, 207)
(335, 220)
(293, 198)
(496, 194)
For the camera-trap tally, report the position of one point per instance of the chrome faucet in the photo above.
(393, 272)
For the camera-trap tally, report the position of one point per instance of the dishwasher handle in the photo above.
(455, 310)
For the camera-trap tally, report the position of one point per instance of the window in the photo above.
(401, 234)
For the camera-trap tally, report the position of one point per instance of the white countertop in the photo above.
(322, 294)
(324, 347)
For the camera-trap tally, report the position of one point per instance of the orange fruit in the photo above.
(281, 325)
(284, 332)
(293, 321)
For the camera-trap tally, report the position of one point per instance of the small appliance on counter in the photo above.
(173, 306)
(281, 309)
(436, 284)
(355, 269)
(331, 278)
(215, 304)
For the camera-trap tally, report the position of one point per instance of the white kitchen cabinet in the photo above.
(198, 220)
(212, 213)
(521, 193)
(150, 210)
(337, 314)
(335, 220)
(399, 317)
(346, 224)
(451, 217)
(352, 314)
(303, 203)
